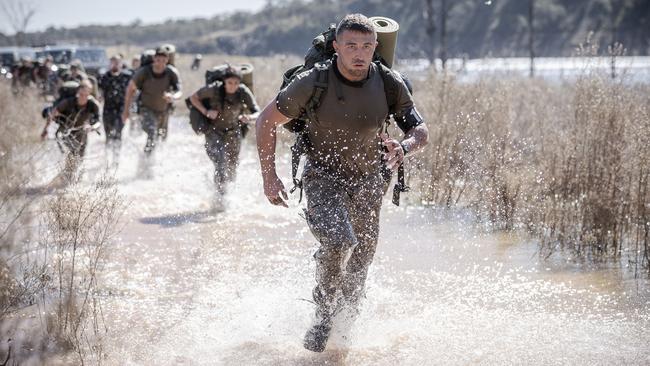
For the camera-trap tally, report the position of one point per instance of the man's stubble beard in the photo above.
(357, 73)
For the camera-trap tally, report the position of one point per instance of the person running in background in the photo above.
(76, 116)
(113, 85)
(228, 106)
(159, 85)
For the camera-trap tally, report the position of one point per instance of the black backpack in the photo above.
(146, 58)
(67, 90)
(320, 56)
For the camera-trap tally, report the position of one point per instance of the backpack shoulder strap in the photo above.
(302, 144)
(320, 86)
(148, 72)
(171, 71)
(391, 86)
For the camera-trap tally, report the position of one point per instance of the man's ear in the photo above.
(335, 45)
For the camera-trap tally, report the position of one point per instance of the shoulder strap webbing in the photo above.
(391, 89)
(320, 86)
(301, 146)
(391, 86)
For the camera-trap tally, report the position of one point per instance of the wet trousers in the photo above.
(150, 122)
(223, 149)
(113, 124)
(163, 125)
(344, 218)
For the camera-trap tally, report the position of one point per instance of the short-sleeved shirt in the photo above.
(345, 137)
(76, 115)
(113, 88)
(233, 106)
(154, 86)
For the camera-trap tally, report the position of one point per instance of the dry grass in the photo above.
(54, 272)
(80, 223)
(566, 162)
(18, 280)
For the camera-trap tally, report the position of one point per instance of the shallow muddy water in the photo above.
(182, 286)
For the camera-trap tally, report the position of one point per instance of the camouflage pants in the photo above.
(223, 149)
(150, 122)
(163, 126)
(113, 124)
(344, 217)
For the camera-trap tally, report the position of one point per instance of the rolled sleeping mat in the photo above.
(247, 75)
(387, 30)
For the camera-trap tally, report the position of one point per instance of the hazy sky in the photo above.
(71, 13)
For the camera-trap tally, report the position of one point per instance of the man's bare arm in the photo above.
(196, 102)
(414, 140)
(267, 122)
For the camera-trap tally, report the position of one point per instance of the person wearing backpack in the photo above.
(113, 85)
(75, 72)
(76, 116)
(227, 105)
(347, 148)
(159, 85)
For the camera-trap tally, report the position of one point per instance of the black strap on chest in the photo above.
(302, 144)
(391, 88)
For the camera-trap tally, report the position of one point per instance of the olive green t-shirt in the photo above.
(234, 105)
(345, 138)
(153, 86)
(76, 115)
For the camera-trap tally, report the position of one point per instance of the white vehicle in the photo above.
(9, 56)
(92, 58)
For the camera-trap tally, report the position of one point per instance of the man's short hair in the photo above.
(355, 22)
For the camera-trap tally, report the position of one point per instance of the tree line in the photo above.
(428, 28)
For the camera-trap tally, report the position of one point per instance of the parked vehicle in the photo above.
(92, 58)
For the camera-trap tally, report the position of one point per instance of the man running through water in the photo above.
(76, 116)
(342, 177)
(228, 107)
(113, 85)
(159, 85)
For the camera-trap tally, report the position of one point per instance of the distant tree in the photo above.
(615, 47)
(429, 16)
(531, 35)
(444, 12)
(18, 14)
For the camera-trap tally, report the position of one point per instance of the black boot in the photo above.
(317, 336)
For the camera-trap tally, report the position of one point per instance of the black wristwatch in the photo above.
(404, 148)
